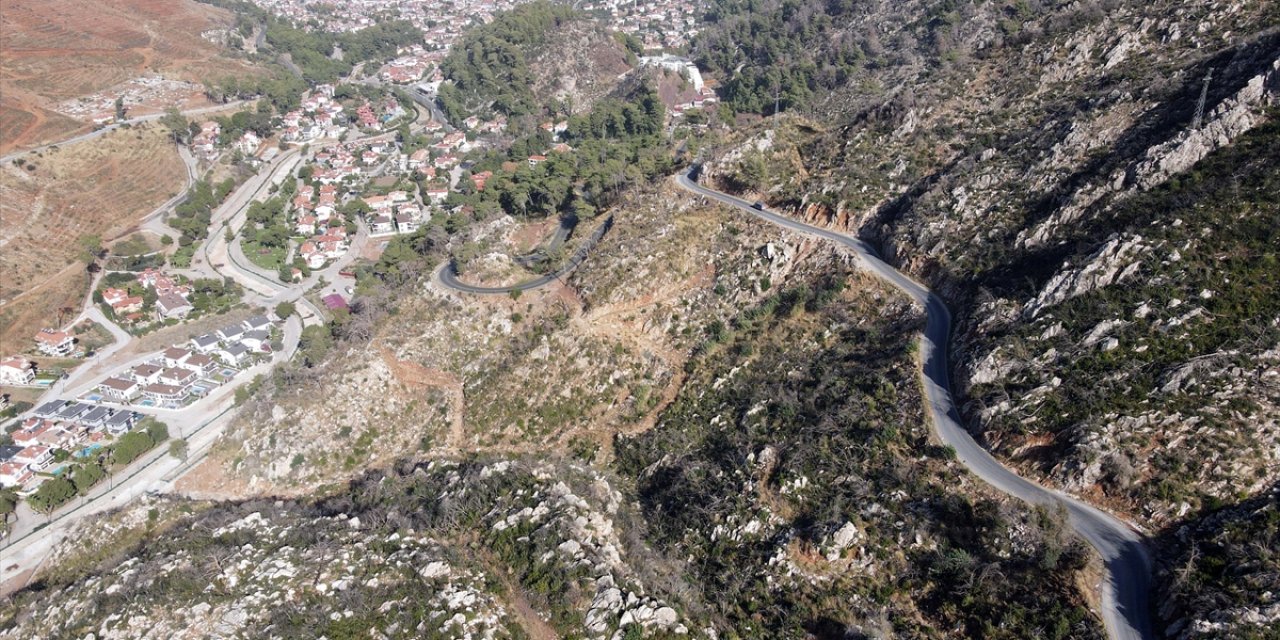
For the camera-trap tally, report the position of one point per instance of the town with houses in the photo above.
(187, 372)
(170, 379)
(357, 179)
(658, 24)
(171, 297)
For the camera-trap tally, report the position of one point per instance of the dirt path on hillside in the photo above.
(622, 322)
(530, 620)
(209, 480)
(412, 374)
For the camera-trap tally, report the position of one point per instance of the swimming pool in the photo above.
(89, 450)
(147, 402)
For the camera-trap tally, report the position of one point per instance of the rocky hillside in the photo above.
(715, 429)
(711, 429)
(789, 490)
(1108, 248)
(1222, 571)
(439, 550)
(580, 64)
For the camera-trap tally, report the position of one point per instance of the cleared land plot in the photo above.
(56, 50)
(101, 187)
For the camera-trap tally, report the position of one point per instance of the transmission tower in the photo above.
(1204, 94)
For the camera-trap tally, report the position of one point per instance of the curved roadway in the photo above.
(1128, 567)
(448, 274)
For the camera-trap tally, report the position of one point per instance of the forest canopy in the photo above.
(489, 68)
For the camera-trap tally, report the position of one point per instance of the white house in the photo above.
(120, 422)
(199, 363)
(437, 193)
(145, 374)
(234, 354)
(164, 394)
(172, 305)
(205, 344)
(177, 377)
(230, 332)
(255, 340)
(55, 343)
(175, 356)
(257, 323)
(13, 474)
(73, 410)
(120, 389)
(248, 143)
(37, 455)
(96, 418)
(50, 408)
(382, 224)
(406, 223)
(16, 371)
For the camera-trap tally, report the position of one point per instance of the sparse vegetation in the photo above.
(772, 449)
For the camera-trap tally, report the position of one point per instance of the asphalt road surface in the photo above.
(448, 274)
(1128, 567)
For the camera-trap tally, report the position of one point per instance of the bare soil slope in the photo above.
(102, 188)
(53, 50)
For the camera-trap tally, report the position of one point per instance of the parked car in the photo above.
(759, 206)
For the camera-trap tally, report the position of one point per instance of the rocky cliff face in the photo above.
(1221, 571)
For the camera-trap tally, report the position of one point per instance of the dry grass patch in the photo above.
(46, 304)
(59, 49)
(100, 187)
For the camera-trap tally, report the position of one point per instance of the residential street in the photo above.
(34, 535)
(200, 423)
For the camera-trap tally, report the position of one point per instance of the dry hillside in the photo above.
(579, 65)
(47, 203)
(598, 357)
(61, 49)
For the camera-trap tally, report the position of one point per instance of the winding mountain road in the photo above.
(448, 273)
(1128, 567)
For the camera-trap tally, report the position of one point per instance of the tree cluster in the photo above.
(79, 478)
(489, 69)
(617, 143)
(192, 216)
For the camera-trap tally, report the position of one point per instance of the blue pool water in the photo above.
(88, 451)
